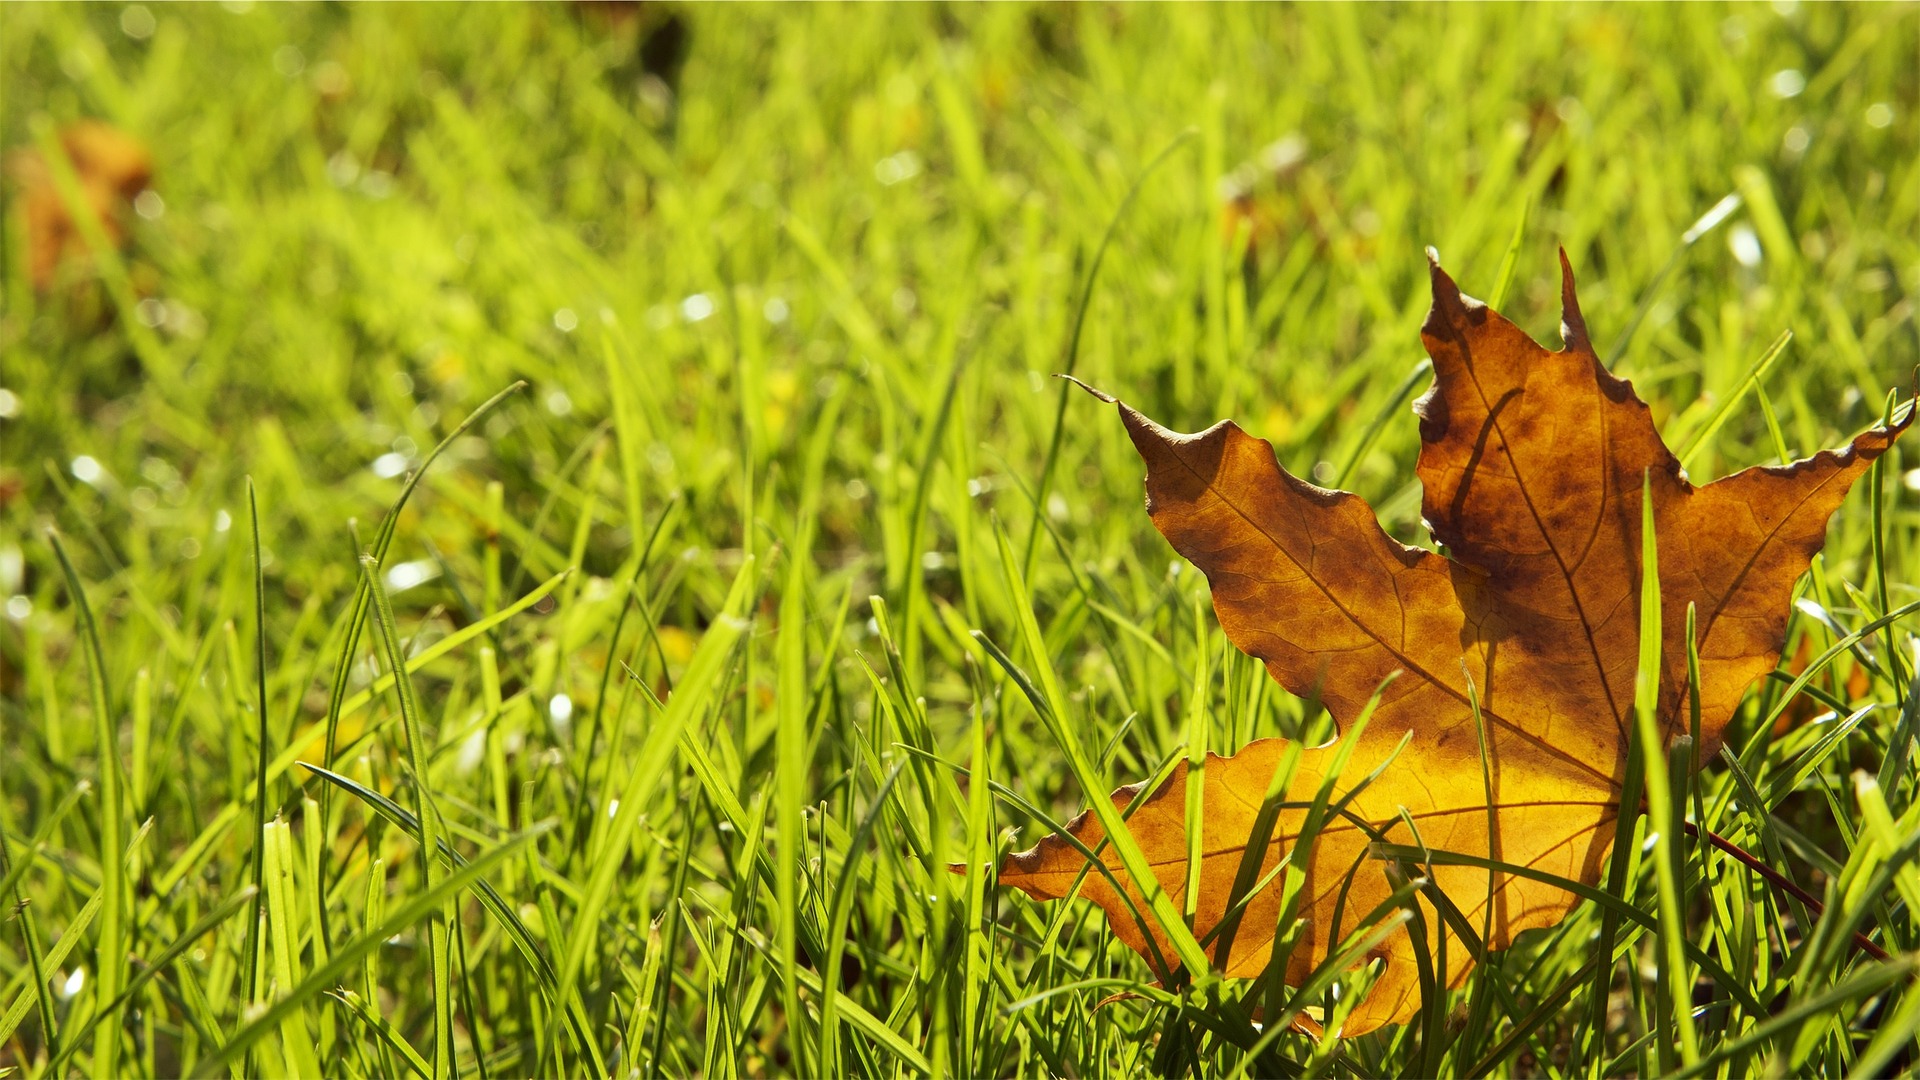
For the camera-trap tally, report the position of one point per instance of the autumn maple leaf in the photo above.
(1533, 464)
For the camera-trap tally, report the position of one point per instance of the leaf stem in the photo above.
(1782, 882)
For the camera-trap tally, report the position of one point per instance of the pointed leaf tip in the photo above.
(1446, 292)
(1094, 390)
(1573, 325)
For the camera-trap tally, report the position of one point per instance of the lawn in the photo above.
(667, 389)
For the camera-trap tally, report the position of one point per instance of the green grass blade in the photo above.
(489, 897)
(790, 779)
(1606, 899)
(842, 913)
(296, 1040)
(1863, 984)
(690, 696)
(1186, 950)
(1756, 375)
(1510, 262)
(17, 868)
(1396, 400)
(55, 956)
(383, 540)
(1047, 464)
(1663, 817)
(1197, 731)
(383, 1031)
(1707, 222)
(109, 958)
(349, 954)
(160, 963)
(262, 744)
(1894, 1037)
(416, 750)
(880, 1031)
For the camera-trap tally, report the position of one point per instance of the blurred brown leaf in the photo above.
(112, 168)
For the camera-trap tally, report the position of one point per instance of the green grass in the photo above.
(791, 576)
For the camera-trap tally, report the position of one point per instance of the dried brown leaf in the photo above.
(1532, 464)
(111, 166)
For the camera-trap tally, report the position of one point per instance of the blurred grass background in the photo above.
(788, 280)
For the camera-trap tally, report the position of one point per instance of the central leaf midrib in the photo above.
(1566, 576)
